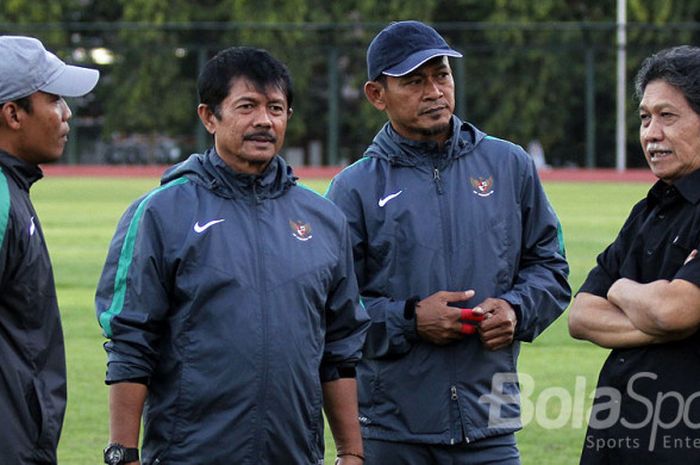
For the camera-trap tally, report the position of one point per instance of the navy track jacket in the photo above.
(234, 296)
(32, 355)
(473, 216)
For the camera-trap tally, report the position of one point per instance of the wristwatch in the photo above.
(117, 454)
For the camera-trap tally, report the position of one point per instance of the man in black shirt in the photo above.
(643, 297)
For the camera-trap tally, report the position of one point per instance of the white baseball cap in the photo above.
(27, 67)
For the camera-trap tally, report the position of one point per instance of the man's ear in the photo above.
(207, 117)
(10, 115)
(374, 91)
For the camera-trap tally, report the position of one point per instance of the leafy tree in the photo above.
(149, 90)
(523, 75)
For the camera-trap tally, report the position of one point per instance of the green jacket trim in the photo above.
(125, 258)
(4, 207)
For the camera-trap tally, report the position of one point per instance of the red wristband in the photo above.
(468, 329)
(469, 315)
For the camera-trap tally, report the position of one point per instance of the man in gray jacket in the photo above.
(459, 257)
(229, 297)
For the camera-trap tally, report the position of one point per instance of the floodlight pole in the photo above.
(620, 158)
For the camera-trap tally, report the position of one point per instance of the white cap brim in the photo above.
(72, 81)
(417, 60)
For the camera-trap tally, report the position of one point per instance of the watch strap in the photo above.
(131, 454)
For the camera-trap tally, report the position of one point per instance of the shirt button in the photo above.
(649, 251)
(622, 360)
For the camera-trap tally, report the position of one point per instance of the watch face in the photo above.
(114, 455)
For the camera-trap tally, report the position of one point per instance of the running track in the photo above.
(155, 171)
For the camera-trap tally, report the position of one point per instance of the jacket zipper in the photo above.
(455, 398)
(446, 225)
(264, 317)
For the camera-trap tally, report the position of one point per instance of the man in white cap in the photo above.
(33, 130)
(443, 216)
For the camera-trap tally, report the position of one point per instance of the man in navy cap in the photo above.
(459, 258)
(33, 130)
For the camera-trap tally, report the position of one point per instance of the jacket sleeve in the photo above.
(346, 319)
(389, 334)
(131, 299)
(541, 290)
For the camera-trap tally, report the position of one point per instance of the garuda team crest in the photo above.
(300, 230)
(483, 187)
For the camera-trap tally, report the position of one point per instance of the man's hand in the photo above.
(436, 321)
(498, 326)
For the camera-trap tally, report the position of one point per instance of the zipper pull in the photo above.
(453, 390)
(437, 179)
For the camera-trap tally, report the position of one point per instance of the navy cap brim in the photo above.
(416, 60)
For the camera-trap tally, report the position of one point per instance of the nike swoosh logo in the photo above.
(383, 201)
(200, 229)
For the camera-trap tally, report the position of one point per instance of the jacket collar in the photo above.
(24, 173)
(398, 150)
(210, 170)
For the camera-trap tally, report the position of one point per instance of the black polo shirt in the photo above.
(648, 405)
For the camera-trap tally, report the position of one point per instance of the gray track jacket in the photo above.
(472, 217)
(234, 296)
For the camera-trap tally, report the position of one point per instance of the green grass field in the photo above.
(79, 216)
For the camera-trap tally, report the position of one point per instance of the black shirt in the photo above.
(648, 410)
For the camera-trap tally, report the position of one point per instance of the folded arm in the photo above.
(636, 314)
(596, 319)
(667, 309)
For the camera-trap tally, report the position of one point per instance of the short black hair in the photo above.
(256, 65)
(25, 103)
(678, 66)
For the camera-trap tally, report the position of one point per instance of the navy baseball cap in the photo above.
(27, 67)
(403, 46)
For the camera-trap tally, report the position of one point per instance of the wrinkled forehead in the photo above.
(271, 90)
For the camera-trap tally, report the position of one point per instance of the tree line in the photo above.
(541, 69)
